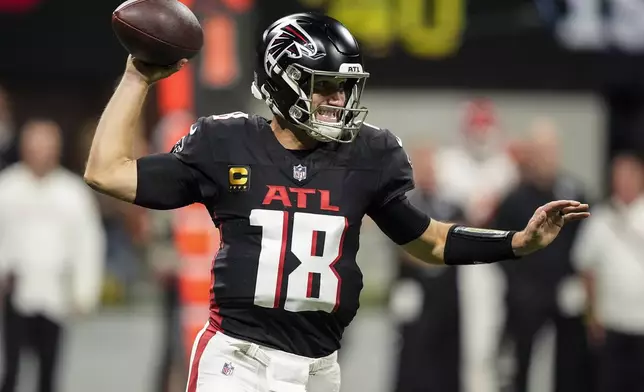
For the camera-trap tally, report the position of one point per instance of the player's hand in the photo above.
(151, 73)
(546, 223)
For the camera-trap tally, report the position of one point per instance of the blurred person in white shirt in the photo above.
(475, 175)
(610, 253)
(52, 251)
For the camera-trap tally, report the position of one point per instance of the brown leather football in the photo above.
(159, 32)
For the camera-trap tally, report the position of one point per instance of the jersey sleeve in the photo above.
(396, 176)
(180, 177)
(400, 220)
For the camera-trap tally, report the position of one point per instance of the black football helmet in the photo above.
(305, 53)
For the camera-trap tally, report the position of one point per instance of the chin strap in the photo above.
(263, 95)
(255, 91)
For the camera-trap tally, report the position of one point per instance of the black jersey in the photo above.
(286, 274)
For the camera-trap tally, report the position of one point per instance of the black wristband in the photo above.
(467, 245)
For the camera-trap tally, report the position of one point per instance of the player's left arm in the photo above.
(446, 243)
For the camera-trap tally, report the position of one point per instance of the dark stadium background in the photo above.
(60, 59)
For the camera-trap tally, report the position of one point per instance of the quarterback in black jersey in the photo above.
(288, 196)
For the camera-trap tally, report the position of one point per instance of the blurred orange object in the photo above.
(195, 237)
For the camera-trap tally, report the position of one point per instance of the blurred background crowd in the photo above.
(502, 105)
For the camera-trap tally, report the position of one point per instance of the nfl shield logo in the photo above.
(299, 172)
(228, 369)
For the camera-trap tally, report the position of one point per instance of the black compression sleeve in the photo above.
(164, 183)
(400, 220)
(467, 245)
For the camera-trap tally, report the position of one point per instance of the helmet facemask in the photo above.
(314, 120)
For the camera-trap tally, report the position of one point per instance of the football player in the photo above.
(288, 196)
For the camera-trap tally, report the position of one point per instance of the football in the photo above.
(159, 32)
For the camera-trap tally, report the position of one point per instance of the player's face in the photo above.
(328, 91)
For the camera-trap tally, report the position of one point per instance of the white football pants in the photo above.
(220, 363)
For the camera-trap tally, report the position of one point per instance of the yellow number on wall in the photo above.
(438, 39)
(378, 24)
(368, 20)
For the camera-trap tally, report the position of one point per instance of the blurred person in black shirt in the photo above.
(424, 300)
(541, 291)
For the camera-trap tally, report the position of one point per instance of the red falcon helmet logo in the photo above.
(290, 39)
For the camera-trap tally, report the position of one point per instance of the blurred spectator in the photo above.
(475, 175)
(51, 252)
(610, 253)
(8, 153)
(538, 289)
(478, 172)
(126, 230)
(424, 300)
